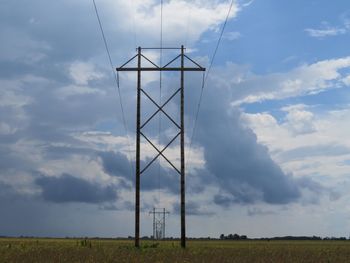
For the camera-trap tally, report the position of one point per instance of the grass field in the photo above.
(76, 250)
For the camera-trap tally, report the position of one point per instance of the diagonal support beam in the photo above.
(150, 61)
(171, 61)
(160, 152)
(122, 66)
(160, 108)
(194, 62)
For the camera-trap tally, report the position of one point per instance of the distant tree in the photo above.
(236, 236)
(222, 236)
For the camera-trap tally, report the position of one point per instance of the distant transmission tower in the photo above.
(160, 109)
(159, 222)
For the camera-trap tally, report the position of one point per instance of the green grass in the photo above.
(78, 250)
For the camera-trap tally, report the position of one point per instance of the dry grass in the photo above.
(75, 250)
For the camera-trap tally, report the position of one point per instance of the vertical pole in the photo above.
(138, 125)
(163, 223)
(154, 223)
(183, 222)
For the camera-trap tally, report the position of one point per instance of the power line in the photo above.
(219, 40)
(160, 91)
(205, 76)
(116, 78)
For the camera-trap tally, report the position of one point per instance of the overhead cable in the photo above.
(116, 78)
(205, 78)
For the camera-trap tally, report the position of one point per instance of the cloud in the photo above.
(68, 188)
(82, 72)
(20, 46)
(204, 15)
(115, 164)
(304, 80)
(299, 120)
(24, 214)
(232, 35)
(248, 3)
(318, 156)
(326, 30)
(53, 120)
(73, 90)
(154, 178)
(242, 168)
(255, 211)
(193, 208)
(314, 151)
(7, 191)
(346, 80)
(59, 100)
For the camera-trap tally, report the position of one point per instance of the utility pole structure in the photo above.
(160, 109)
(158, 222)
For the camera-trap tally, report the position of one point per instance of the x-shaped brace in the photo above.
(160, 108)
(160, 152)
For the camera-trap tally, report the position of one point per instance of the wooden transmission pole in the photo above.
(196, 67)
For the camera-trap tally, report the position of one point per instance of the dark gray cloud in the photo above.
(242, 167)
(116, 164)
(240, 194)
(155, 176)
(234, 160)
(7, 192)
(68, 188)
(193, 208)
(30, 215)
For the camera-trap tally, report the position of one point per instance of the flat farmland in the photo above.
(98, 250)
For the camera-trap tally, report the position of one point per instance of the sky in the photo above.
(268, 156)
